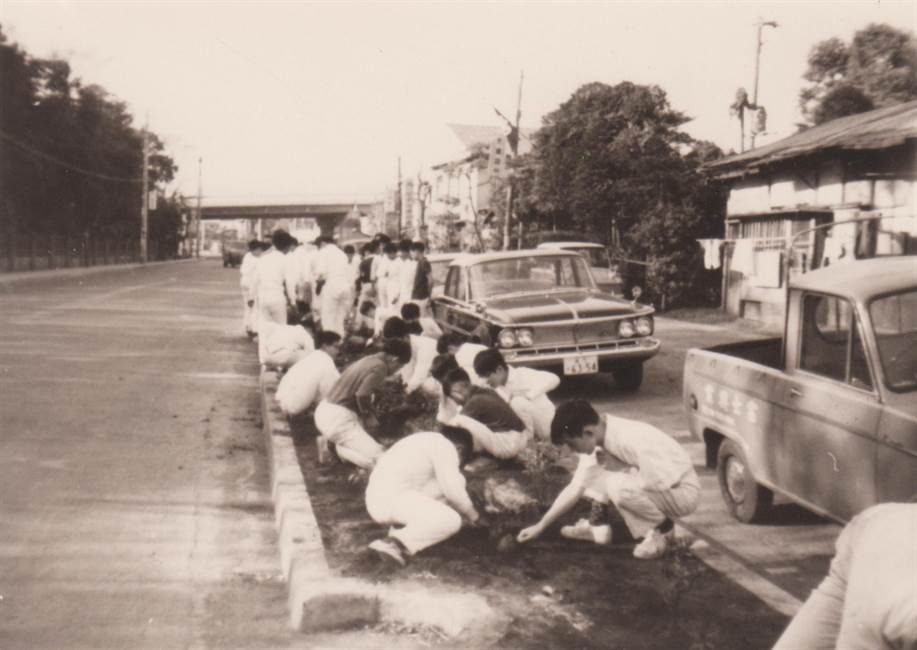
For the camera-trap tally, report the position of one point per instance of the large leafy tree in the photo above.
(877, 68)
(612, 162)
(71, 158)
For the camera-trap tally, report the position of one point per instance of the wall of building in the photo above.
(844, 187)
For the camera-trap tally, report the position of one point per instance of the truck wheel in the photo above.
(746, 499)
(628, 377)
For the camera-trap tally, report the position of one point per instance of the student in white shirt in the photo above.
(406, 273)
(247, 271)
(868, 600)
(410, 313)
(661, 487)
(525, 389)
(287, 344)
(416, 372)
(334, 273)
(311, 378)
(464, 352)
(440, 368)
(418, 489)
(269, 288)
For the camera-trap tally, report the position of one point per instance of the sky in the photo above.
(295, 100)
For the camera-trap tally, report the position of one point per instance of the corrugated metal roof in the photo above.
(879, 129)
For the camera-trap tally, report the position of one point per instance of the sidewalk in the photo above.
(17, 277)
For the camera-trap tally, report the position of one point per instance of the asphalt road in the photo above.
(782, 559)
(133, 502)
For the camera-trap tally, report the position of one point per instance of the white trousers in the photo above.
(336, 298)
(499, 444)
(423, 520)
(342, 427)
(283, 358)
(537, 414)
(643, 508)
(249, 322)
(272, 311)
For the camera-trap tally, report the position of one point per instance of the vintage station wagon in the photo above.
(542, 308)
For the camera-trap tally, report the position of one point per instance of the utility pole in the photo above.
(513, 139)
(145, 198)
(200, 191)
(754, 97)
(399, 198)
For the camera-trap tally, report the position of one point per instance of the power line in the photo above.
(64, 163)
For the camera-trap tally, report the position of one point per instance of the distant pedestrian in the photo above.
(418, 489)
(423, 278)
(341, 416)
(311, 378)
(269, 288)
(406, 273)
(661, 486)
(334, 274)
(248, 269)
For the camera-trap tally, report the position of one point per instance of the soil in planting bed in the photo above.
(557, 593)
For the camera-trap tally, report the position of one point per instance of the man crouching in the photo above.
(416, 487)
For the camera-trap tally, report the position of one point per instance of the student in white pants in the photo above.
(524, 388)
(269, 287)
(339, 417)
(311, 378)
(287, 344)
(494, 426)
(334, 272)
(417, 489)
(661, 486)
(248, 270)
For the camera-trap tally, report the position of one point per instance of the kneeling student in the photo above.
(416, 487)
(493, 424)
(287, 344)
(464, 352)
(410, 313)
(311, 378)
(416, 372)
(663, 487)
(339, 417)
(525, 389)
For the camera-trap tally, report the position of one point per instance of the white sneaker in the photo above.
(653, 546)
(388, 550)
(584, 531)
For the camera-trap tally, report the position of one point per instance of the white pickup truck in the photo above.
(827, 415)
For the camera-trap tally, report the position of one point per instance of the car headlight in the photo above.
(626, 329)
(506, 338)
(644, 326)
(525, 337)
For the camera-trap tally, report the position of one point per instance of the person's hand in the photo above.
(528, 534)
(475, 519)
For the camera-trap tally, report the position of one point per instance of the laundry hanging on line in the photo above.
(711, 248)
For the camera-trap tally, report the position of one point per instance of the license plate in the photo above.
(583, 365)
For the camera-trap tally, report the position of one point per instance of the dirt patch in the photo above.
(556, 593)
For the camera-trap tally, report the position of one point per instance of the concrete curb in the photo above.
(318, 600)
(18, 277)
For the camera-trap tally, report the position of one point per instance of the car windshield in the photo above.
(529, 274)
(894, 321)
(595, 256)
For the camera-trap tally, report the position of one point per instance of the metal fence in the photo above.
(35, 252)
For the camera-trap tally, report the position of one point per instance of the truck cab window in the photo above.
(831, 337)
(452, 283)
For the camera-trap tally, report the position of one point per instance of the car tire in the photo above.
(747, 500)
(628, 377)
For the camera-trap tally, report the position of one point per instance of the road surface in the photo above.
(132, 474)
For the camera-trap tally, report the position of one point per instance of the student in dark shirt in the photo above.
(493, 424)
(423, 278)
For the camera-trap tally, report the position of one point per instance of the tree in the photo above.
(878, 68)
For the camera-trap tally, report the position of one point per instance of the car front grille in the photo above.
(603, 346)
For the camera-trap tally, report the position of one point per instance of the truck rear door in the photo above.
(832, 410)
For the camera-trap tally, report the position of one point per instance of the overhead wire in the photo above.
(63, 163)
